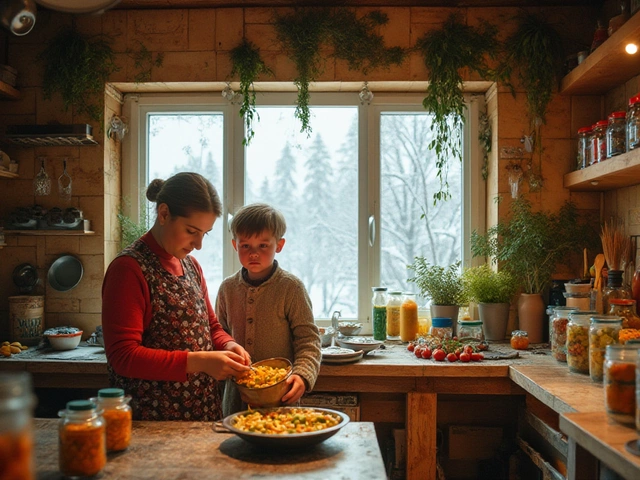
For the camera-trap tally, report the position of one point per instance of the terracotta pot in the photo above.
(495, 317)
(446, 311)
(531, 315)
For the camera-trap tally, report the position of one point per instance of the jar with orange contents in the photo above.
(117, 413)
(16, 435)
(83, 439)
(620, 382)
(519, 340)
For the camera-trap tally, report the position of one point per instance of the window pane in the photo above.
(313, 181)
(408, 182)
(191, 142)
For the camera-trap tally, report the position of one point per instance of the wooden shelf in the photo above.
(608, 66)
(7, 91)
(4, 173)
(40, 233)
(617, 172)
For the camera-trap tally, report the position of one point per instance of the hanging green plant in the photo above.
(144, 63)
(248, 64)
(77, 67)
(484, 137)
(446, 52)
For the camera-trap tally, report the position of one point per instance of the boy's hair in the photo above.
(256, 218)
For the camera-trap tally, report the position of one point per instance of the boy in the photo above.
(266, 309)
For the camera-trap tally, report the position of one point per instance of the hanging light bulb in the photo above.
(365, 94)
(228, 93)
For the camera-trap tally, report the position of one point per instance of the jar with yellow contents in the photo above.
(83, 440)
(117, 413)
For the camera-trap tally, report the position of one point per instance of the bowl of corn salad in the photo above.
(265, 384)
(286, 427)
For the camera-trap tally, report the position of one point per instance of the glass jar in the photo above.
(409, 318)
(626, 309)
(519, 340)
(441, 328)
(393, 315)
(620, 383)
(578, 341)
(379, 313)
(558, 332)
(633, 123)
(584, 150)
(614, 289)
(599, 142)
(424, 320)
(83, 439)
(603, 331)
(616, 134)
(117, 413)
(16, 431)
(470, 329)
(579, 300)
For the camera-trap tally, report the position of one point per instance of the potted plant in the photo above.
(442, 286)
(492, 291)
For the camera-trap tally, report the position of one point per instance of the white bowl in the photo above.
(348, 329)
(64, 341)
(366, 344)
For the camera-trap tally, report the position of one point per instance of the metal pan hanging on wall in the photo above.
(65, 273)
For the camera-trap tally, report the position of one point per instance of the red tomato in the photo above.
(411, 347)
(438, 355)
(476, 357)
(452, 357)
(468, 349)
(458, 352)
(426, 353)
(465, 357)
(418, 352)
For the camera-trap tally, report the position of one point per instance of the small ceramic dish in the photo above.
(360, 343)
(349, 329)
(63, 338)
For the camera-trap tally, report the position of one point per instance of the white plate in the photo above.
(360, 343)
(342, 359)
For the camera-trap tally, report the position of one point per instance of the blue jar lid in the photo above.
(110, 393)
(440, 322)
(79, 405)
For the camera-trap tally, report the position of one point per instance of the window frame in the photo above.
(138, 106)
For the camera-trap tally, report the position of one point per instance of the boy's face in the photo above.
(256, 253)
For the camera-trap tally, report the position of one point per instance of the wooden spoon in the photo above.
(598, 263)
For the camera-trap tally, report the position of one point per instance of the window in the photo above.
(357, 193)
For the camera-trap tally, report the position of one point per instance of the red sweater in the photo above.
(126, 313)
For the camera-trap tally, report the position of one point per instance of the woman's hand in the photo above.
(237, 348)
(298, 388)
(221, 365)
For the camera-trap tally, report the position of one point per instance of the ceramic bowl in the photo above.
(349, 329)
(366, 344)
(325, 335)
(63, 338)
(267, 396)
(577, 287)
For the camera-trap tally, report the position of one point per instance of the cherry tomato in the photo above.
(439, 355)
(468, 349)
(426, 353)
(452, 357)
(411, 347)
(465, 357)
(476, 357)
(418, 352)
(458, 352)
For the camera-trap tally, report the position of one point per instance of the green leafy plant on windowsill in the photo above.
(484, 285)
(446, 52)
(130, 230)
(443, 286)
(248, 64)
(77, 67)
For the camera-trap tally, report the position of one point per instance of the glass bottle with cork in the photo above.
(379, 313)
(409, 318)
(393, 315)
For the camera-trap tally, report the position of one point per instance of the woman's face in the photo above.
(181, 235)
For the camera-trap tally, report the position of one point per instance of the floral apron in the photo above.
(179, 321)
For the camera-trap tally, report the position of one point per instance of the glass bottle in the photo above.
(584, 150)
(424, 320)
(578, 341)
(16, 431)
(393, 315)
(620, 382)
(470, 329)
(599, 142)
(117, 413)
(558, 332)
(379, 312)
(603, 331)
(616, 134)
(626, 309)
(633, 123)
(614, 289)
(409, 318)
(441, 328)
(83, 439)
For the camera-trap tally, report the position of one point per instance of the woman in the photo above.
(164, 344)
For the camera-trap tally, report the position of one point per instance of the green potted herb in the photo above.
(492, 291)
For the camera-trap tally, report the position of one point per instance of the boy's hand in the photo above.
(221, 365)
(237, 348)
(298, 388)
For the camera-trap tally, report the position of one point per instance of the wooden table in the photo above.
(192, 450)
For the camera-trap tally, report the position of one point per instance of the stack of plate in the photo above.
(338, 355)
(366, 344)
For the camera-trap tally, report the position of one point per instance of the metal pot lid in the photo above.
(25, 276)
(65, 273)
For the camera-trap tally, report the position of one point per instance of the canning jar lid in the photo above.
(634, 99)
(606, 319)
(617, 114)
(80, 405)
(584, 130)
(622, 301)
(110, 393)
(470, 323)
(600, 124)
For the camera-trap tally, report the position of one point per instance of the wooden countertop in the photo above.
(185, 450)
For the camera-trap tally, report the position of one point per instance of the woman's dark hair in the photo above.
(185, 193)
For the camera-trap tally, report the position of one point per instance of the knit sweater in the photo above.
(274, 319)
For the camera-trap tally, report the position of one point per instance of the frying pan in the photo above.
(25, 276)
(65, 273)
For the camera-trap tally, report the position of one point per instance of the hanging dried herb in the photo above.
(144, 63)
(248, 64)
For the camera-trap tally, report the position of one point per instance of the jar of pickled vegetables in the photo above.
(626, 309)
(519, 340)
(470, 329)
(409, 318)
(441, 328)
(620, 382)
(117, 413)
(578, 341)
(393, 315)
(16, 432)
(83, 439)
(379, 313)
(558, 332)
(633, 123)
(603, 331)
